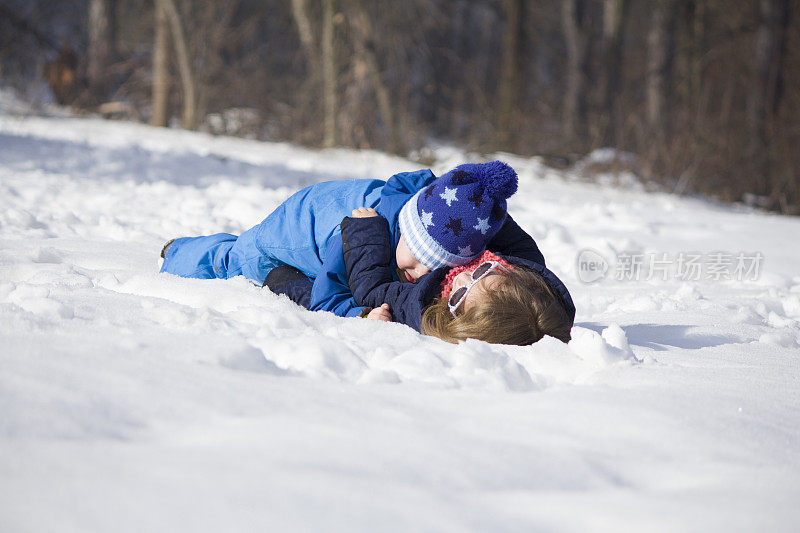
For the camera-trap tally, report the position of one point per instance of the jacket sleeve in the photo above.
(512, 240)
(405, 183)
(330, 291)
(368, 258)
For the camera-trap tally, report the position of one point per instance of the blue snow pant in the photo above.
(210, 256)
(295, 234)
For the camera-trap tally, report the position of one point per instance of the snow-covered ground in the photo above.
(137, 401)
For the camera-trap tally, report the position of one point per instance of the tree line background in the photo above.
(704, 93)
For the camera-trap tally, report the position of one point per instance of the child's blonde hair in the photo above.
(521, 310)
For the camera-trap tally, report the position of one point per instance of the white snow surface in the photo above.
(137, 401)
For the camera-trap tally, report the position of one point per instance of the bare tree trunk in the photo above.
(614, 16)
(184, 63)
(574, 94)
(698, 36)
(509, 74)
(658, 77)
(101, 46)
(160, 68)
(212, 33)
(365, 45)
(767, 85)
(301, 18)
(459, 13)
(766, 91)
(309, 93)
(329, 75)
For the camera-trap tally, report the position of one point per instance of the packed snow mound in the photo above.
(56, 290)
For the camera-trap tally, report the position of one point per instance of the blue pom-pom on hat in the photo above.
(450, 222)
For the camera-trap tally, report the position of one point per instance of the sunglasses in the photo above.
(458, 295)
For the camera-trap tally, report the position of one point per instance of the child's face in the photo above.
(478, 291)
(410, 265)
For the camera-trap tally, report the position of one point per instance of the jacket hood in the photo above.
(552, 281)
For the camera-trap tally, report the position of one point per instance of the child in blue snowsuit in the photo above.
(304, 232)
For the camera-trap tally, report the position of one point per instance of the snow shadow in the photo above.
(662, 337)
(134, 163)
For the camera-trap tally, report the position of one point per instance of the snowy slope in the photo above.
(135, 401)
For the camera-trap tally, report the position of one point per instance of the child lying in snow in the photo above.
(464, 209)
(497, 298)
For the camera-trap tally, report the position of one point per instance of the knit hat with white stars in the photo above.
(449, 222)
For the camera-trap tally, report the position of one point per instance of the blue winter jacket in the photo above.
(331, 291)
(302, 232)
(367, 258)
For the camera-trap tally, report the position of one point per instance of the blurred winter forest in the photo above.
(697, 95)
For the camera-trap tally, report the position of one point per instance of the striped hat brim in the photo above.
(429, 252)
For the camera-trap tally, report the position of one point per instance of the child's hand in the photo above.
(364, 212)
(381, 313)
